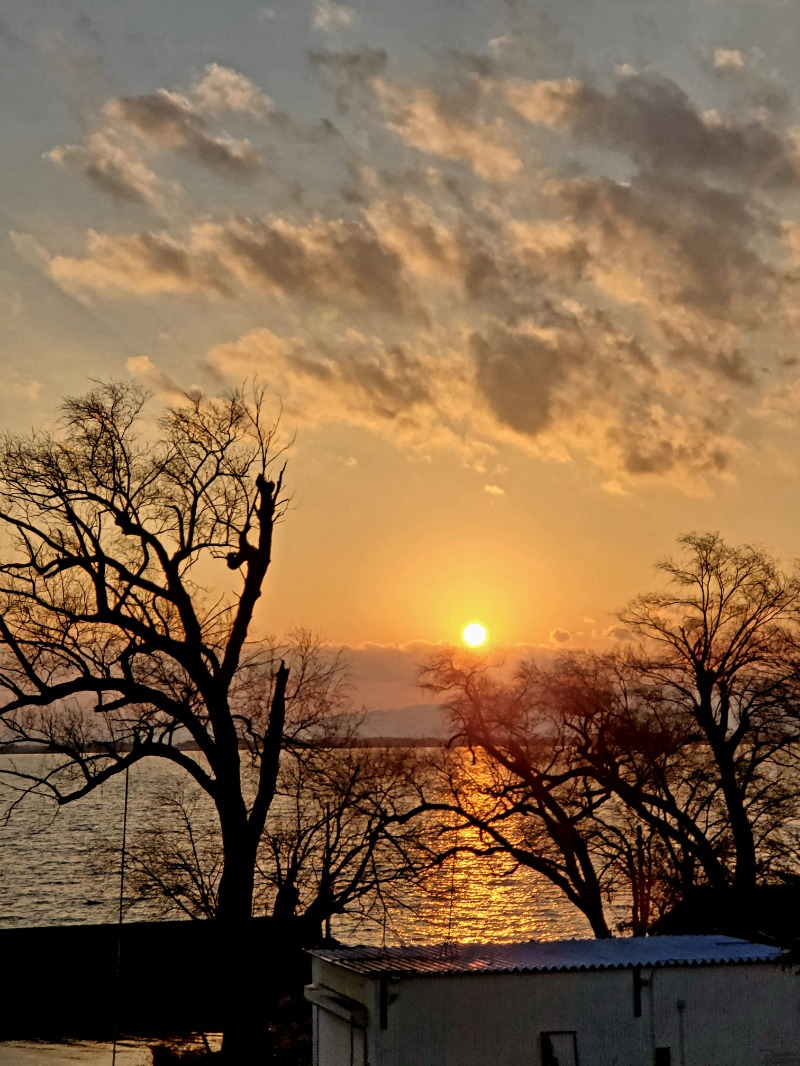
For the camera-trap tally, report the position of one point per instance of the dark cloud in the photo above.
(652, 443)
(391, 380)
(482, 276)
(517, 374)
(686, 245)
(652, 120)
(620, 633)
(772, 98)
(731, 366)
(168, 121)
(342, 259)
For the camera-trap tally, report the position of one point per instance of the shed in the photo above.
(633, 1001)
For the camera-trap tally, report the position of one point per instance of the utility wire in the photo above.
(119, 919)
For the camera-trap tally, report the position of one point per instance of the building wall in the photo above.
(727, 1014)
(736, 1015)
(494, 1019)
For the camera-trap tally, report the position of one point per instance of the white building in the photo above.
(639, 1001)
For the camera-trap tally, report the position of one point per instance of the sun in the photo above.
(474, 634)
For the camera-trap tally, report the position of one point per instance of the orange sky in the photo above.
(523, 277)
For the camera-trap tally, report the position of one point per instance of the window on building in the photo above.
(662, 1056)
(559, 1048)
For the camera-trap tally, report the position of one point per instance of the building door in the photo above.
(339, 1043)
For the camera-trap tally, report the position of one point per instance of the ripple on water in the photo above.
(47, 877)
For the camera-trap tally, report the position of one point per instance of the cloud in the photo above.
(387, 676)
(494, 490)
(518, 371)
(619, 633)
(324, 260)
(658, 442)
(221, 89)
(330, 16)
(354, 378)
(559, 636)
(113, 167)
(30, 249)
(662, 245)
(111, 156)
(651, 119)
(418, 394)
(16, 387)
(167, 121)
(582, 274)
(449, 251)
(563, 104)
(140, 264)
(426, 121)
(729, 61)
(733, 62)
(143, 368)
(426, 244)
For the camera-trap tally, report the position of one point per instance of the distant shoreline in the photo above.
(24, 747)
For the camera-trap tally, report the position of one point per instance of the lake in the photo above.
(49, 876)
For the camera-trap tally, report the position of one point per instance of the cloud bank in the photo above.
(596, 270)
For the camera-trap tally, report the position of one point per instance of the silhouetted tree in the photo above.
(340, 837)
(651, 771)
(345, 838)
(113, 647)
(522, 795)
(719, 646)
(617, 730)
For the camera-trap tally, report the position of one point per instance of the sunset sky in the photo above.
(524, 277)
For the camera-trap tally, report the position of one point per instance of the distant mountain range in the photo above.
(420, 720)
(417, 722)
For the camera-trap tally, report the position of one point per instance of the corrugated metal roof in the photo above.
(550, 956)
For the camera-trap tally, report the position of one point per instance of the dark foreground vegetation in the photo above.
(167, 980)
(150, 979)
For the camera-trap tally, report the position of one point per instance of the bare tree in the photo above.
(720, 647)
(340, 837)
(617, 729)
(347, 839)
(582, 772)
(113, 649)
(650, 772)
(523, 795)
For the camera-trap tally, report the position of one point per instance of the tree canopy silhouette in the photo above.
(719, 645)
(653, 769)
(114, 648)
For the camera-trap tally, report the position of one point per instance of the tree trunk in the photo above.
(593, 909)
(746, 869)
(245, 1024)
(744, 874)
